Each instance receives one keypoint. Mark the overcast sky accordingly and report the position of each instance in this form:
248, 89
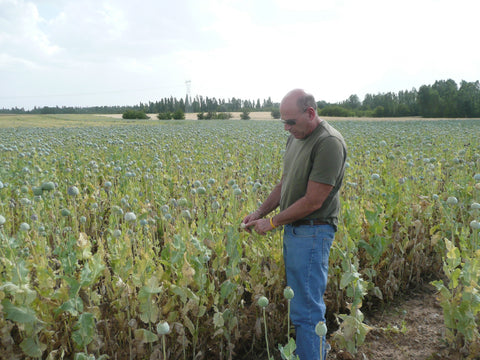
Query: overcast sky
123, 52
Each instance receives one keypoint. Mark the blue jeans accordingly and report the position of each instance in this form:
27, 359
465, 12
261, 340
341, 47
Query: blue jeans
306, 249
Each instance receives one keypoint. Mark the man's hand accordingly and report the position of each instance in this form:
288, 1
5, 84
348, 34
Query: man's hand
261, 226
249, 221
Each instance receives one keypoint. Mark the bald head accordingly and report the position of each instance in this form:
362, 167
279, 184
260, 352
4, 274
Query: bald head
300, 99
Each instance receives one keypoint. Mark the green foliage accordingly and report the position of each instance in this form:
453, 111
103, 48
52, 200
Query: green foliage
134, 114
224, 116
165, 116
459, 295
275, 113
379, 111
245, 115
96, 283
211, 115
287, 352
84, 330
335, 110
178, 115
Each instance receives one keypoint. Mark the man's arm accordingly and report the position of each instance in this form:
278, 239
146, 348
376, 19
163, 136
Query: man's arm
313, 200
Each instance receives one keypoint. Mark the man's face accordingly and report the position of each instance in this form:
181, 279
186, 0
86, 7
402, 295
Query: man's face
296, 121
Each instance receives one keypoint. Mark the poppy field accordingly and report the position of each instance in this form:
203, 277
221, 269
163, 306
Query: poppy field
123, 241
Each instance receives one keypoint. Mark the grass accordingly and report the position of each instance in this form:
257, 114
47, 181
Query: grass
65, 120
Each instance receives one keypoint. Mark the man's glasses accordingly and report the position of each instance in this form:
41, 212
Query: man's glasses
290, 122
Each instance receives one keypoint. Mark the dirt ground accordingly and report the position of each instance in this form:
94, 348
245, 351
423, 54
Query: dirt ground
410, 328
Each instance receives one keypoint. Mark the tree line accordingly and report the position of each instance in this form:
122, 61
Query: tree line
197, 104
442, 99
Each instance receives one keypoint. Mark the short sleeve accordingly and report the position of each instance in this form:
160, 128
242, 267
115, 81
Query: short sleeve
328, 161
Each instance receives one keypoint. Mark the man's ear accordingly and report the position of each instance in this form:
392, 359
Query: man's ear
311, 113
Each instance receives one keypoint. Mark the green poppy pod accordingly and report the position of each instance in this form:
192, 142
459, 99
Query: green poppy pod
288, 293
24, 227
48, 186
452, 200
215, 205
163, 328
182, 202
475, 225
130, 216
65, 212
73, 191
186, 214
262, 301
321, 328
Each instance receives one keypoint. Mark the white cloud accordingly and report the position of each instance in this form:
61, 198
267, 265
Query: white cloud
21, 31
93, 51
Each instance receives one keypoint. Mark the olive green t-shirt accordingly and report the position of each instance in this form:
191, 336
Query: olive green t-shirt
320, 157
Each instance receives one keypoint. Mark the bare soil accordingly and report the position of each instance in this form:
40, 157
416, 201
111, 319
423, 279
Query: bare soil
410, 328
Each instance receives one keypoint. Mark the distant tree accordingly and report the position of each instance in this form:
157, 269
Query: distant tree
321, 104
353, 102
275, 113
134, 114
379, 111
407, 100
224, 116
179, 115
335, 110
245, 115
164, 116
210, 115
469, 99
403, 110
447, 92
428, 101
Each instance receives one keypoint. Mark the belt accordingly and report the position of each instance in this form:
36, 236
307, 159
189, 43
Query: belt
309, 222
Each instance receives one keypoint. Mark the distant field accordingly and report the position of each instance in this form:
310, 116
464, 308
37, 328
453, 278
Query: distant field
74, 120
256, 115
60, 120
80, 120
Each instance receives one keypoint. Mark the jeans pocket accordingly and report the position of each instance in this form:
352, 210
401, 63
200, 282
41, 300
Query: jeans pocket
303, 231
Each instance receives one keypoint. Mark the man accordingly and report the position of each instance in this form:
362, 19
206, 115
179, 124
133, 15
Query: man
313, 168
